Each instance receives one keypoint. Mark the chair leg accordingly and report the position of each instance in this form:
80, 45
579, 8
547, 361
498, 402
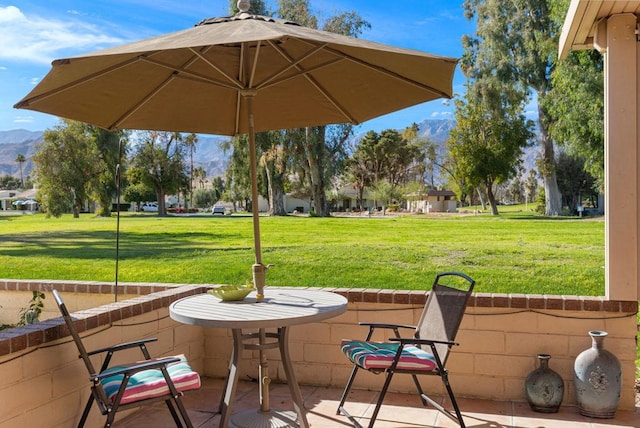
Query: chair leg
183, 412
454, 403
383, 392
85, 412
347, 389
458, 416
174, 415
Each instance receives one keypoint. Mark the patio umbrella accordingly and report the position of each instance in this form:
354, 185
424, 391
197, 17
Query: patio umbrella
240, 75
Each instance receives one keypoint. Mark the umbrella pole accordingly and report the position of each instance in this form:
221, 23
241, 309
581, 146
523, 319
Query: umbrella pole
258, 267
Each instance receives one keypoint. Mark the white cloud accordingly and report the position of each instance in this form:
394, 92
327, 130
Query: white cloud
3, 68
441, 114
40, 39
34, 81
23, 119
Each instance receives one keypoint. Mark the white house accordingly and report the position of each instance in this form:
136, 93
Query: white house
443, 201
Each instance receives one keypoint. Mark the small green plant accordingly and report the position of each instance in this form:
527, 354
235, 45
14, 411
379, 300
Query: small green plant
31, 314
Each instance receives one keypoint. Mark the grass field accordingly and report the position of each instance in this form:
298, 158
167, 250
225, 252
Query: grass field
516, 252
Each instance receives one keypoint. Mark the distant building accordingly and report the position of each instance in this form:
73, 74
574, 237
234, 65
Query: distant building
443, 201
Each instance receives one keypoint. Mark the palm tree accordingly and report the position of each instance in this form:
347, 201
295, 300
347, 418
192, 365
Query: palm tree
21, 159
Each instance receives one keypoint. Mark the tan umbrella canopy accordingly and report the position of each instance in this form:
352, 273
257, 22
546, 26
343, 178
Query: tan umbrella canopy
238, 75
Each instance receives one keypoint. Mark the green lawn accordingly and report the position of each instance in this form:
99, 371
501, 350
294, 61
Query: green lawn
515, 252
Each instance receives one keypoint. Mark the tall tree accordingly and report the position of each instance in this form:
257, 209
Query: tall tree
490, 134
160, 157
359, 174
518, 40
321, 150
237, 177
272, 155
190, 142
576, 104
575, 183
21, 159
200, 176
112, 149
275, 161
67, 168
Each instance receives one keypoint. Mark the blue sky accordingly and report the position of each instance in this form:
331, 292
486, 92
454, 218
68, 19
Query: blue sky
34, 32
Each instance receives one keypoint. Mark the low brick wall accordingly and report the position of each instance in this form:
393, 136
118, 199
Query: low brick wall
42, 382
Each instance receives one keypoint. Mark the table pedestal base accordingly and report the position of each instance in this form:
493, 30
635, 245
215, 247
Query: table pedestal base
262, 417
255, 418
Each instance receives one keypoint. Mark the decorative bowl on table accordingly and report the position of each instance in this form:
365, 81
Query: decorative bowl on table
231, 292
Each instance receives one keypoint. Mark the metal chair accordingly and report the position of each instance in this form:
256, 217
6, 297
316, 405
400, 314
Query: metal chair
424, 354
130, 385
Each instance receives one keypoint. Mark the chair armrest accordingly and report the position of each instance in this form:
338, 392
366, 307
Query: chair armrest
122, 346
384, 325
416, 341
134, 368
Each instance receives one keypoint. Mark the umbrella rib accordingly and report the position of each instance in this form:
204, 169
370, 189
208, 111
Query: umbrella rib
191, 75
292, 63
73, 84
390, 73
305, 73
237, 84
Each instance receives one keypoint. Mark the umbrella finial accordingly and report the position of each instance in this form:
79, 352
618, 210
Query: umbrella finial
244, 6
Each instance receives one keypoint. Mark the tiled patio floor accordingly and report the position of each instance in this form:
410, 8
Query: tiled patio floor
399, 411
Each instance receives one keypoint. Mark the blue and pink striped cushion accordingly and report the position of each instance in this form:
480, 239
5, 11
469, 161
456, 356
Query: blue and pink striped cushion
380, 355
151, 383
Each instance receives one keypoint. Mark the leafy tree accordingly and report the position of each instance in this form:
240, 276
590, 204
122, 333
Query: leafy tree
490, 134
136, 190
358, 173
200, 176
517, 41
112, 149
531, 186
575, 182
273, 156
237, 176
159, 158
321, 149
67, 169
21, 159
9, 182
190, 142
275, 162
314, 154
204, 198
576, 104
386, 193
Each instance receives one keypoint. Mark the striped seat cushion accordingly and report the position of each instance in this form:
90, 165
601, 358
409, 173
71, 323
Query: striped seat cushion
151, 383
380, 355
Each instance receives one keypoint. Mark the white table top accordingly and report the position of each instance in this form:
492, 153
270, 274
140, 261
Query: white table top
281, 307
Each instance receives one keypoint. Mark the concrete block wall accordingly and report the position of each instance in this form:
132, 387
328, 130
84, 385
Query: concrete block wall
43, 383
499, 338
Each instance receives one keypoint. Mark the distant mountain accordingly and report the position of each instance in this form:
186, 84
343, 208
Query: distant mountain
14, 142
436, 130
17, 136
210, 156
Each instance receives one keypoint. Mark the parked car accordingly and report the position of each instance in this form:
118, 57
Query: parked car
149, 207
217, 210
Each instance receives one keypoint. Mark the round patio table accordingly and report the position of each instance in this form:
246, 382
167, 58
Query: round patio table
280, 309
